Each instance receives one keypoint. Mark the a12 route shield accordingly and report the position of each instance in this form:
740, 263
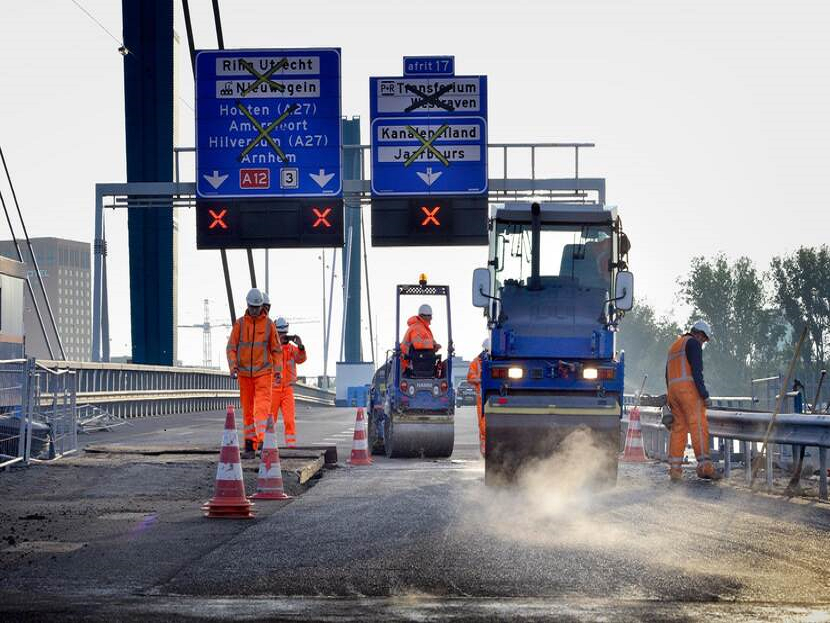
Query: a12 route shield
268, 123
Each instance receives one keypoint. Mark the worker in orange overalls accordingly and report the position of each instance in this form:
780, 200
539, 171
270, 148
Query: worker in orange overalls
285, 375
418, 335
252, 350
688, 399
474, 379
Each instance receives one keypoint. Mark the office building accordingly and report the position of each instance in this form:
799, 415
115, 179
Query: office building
65, 269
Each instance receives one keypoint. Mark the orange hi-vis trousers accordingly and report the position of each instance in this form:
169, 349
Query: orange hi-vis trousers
482, 423
689, 412
282, 399
255, 396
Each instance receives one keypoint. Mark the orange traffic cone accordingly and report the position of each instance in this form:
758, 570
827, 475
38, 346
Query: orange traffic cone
633, 452
229, 495
269, 484
360, 446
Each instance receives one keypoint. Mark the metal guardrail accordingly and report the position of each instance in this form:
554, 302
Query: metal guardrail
133, 390
748, 428
35, 425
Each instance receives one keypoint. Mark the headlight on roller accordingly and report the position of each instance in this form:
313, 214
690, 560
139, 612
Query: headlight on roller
590, 374
515, 373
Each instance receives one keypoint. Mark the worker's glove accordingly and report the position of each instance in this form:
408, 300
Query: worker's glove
298, 341
708, 402
234, 373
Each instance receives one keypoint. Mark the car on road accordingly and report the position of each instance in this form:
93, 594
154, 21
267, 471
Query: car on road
465, 394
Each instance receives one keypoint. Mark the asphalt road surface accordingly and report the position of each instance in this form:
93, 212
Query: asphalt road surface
425, 540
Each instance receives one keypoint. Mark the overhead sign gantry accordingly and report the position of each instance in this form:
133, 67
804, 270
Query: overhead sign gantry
429, 155
269, 148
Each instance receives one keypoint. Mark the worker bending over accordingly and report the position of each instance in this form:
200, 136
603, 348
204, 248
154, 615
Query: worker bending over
285, 375
418, 335
252, 350
688, 399
474, 379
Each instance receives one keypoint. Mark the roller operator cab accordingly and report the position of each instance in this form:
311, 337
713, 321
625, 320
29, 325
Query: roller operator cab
413, 399
554, 291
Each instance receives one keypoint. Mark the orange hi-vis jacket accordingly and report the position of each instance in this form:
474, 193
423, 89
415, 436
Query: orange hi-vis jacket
678, 369
253, 346
285, 365
418, 336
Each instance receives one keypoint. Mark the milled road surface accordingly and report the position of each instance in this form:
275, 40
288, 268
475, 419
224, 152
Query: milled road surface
425, 540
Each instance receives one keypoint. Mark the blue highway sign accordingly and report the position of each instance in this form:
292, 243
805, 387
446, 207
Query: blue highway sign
268, 123
429, 156
429, 135
429, 65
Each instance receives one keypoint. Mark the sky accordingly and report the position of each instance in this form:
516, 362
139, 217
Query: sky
710, 119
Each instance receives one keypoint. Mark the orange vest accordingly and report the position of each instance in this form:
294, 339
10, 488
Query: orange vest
474, 373
285, 366
678, 370
252, 346
418, 336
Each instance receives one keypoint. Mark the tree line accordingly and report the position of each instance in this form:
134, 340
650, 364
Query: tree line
756, 317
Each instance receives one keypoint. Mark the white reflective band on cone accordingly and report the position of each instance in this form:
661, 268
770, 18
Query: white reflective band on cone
270, 440
229, 471
360, 444
230, 439
273, 472
635, 442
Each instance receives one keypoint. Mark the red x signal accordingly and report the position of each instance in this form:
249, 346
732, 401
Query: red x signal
321, 217
431, 216
217, 219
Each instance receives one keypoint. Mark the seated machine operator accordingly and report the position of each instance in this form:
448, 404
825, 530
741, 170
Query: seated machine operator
418, 335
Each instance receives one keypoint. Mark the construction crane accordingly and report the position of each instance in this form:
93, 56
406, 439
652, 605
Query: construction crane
207, 327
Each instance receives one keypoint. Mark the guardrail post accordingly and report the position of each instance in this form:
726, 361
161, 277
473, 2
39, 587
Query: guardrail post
748, 461
770, 448
73, 406
727, 457
822, 476
27, 406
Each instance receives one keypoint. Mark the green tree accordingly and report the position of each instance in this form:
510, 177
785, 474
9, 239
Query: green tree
646, 338
802, 289
732, 299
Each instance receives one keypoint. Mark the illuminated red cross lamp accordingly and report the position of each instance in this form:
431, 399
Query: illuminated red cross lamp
218, 219
322, 217
431, 216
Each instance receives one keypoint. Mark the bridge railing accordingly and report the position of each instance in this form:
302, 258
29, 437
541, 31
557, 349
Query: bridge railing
132, 390
747, 429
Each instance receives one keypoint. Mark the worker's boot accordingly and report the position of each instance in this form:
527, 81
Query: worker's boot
249, 452
675, 475
708, 472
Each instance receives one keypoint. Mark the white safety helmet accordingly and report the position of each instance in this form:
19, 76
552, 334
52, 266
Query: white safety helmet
486, 344
425, 310
282, 325
703, 327
266, 299
254, 298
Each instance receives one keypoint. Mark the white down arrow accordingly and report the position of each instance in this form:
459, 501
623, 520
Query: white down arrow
322, 178
429, 177
215, 180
